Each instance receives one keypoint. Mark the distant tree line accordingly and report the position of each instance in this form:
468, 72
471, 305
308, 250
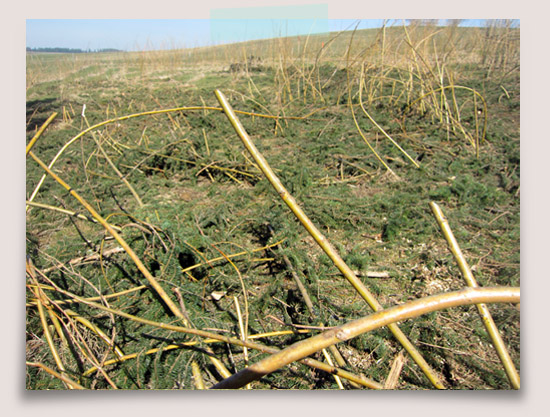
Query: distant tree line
71, 50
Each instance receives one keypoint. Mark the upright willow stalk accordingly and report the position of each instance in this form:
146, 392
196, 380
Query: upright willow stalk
482, 309
322, 240
350, 104
361, 85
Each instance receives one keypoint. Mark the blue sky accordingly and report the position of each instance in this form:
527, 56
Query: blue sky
144, 34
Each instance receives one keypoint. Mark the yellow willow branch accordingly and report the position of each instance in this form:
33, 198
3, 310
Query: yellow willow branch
350, 104
101, 334
119, 174
66, 380
322, 240
98, 298
197, 377
361, 85
457, 120
152, 281
482, 309
39, 302
186, 344
355, 328
232, 255
39, 133
68, 212
359, 379
146, 113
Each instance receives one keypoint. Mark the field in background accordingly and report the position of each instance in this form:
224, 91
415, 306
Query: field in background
363, 128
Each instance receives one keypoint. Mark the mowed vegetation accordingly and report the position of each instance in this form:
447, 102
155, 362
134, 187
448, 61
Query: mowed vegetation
363, 128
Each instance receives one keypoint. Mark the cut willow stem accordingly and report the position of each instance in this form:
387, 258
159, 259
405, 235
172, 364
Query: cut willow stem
147, 113
68, 212
307, 347
243, 333
184, 345
39, 133
336, 378
72, 384
152, 281
40, 304
98, 298
323, 242
359, 379
482, 309
232, 255
86, 259
350, 104
197, 376
456, 121
117, 171
100, 333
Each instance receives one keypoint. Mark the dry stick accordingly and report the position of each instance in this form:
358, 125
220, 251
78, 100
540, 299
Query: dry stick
412, 309
396, 367
323, 242
39, 133
360, 379
484, 313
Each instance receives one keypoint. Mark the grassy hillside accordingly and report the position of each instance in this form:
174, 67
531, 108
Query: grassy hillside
363, 128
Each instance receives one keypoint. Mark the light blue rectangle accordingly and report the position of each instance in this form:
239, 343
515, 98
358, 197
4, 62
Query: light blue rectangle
242, 24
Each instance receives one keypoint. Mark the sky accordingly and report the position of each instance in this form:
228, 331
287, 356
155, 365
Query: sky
221, 27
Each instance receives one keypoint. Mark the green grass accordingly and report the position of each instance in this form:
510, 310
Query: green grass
201, 193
